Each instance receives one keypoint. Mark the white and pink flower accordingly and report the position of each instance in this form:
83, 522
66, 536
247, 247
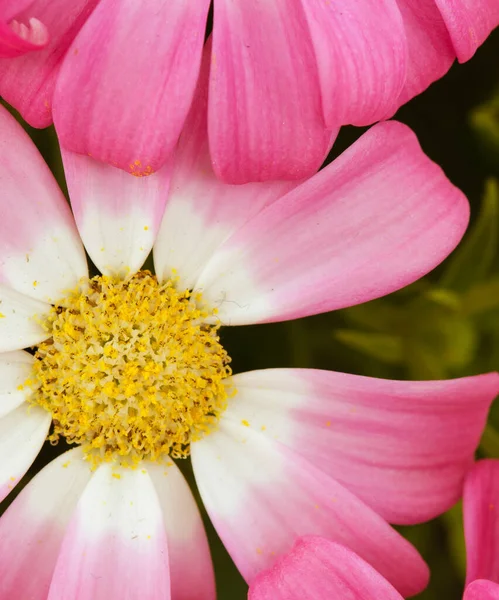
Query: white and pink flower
119, 76
295, 452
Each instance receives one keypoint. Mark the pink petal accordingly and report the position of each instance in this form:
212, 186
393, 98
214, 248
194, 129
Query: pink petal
202, 211
481, 521
27, 82
191, 570
127, 83
482, 590
115, 545
361, 53
41, 255
378, 218
265, 114
469, 23
22, 433
367, 433
316, 569
261, 495
429, 46
32, 528
118, 216
18, 38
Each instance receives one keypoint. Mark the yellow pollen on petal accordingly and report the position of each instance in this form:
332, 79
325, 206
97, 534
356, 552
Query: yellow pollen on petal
133, 370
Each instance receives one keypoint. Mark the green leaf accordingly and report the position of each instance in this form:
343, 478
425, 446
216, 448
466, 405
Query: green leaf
384, 347
476, 255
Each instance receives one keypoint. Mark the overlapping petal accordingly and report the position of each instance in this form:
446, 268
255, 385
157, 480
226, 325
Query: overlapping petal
18, 38
15, 368
191, 570
481, 521
361, 54
202, 211
261, 496
265, 113
378, 218
41, 254
128, 80
115, 544
118, 216
318, 568
482, 590
383, 440
32, 528
27, 82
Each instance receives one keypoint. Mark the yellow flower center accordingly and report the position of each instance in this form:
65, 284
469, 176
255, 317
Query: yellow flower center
133, 370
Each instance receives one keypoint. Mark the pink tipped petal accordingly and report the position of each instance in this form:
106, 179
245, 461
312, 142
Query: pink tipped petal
41, 254
430, 50
32, 529
265, 114
191, 570
18, 38
481, 521
482, 590
469, 23
260, 496
316, 569
22, 433
378, 218
15, 369
19, 320
127, 83
27, 82
361, 53
118, 216
115, 544
383, 440
202, 211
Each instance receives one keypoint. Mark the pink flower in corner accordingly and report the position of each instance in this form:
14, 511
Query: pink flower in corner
129, 367
284, 75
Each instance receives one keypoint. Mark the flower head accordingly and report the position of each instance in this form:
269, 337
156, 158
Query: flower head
129, 366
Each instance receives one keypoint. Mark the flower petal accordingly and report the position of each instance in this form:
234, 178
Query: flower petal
482, 590
32, 528
191, 570
261, 496
361, 51
22, 433
481, 521
430, 50
15, 368
115, 544
318, 568
367, 433
265, 115
27, 82
128, 80
118, 216
19, 325
40, 251
378, 218
202, 211
18, 38
469, 23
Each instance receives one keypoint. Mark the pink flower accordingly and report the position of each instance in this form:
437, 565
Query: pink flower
130, 367
284, 75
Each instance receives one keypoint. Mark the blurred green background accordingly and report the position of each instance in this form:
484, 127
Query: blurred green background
446, 325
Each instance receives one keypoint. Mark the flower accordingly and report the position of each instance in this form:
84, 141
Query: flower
317, 568
284, 75
130, 367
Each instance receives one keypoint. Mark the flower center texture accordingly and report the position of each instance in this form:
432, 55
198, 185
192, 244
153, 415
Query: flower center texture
133, 370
